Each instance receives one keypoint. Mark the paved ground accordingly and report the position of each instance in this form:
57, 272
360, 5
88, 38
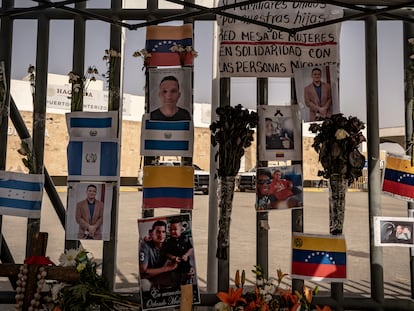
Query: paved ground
243, 231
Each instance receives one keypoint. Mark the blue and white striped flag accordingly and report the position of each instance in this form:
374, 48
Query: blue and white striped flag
166, 138
92, 160
21, 194
92, 124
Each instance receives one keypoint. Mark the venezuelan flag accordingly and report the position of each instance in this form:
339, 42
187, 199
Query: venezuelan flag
398, 178
168, 186
160, 39
319, 257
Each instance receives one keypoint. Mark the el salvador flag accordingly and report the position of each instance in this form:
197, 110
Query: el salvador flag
21, 194
92, 124
92, 160
166, 138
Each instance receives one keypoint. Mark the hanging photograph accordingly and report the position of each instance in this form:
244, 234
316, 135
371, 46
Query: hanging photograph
89, 211
393, 231
279, 187
170, 94
280, 133
166, 243
317, 90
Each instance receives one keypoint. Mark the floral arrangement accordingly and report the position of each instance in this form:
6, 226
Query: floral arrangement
266, 295
113, 62
337, 141
182, 51
233, 132
145, 56
91, 291
80, 86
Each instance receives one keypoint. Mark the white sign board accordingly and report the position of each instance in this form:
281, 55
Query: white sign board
249, 50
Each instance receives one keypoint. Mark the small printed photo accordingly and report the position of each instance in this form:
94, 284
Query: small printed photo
317, 91
394, 231
170, 94
89, 211
166, 261
279, 187
279, 134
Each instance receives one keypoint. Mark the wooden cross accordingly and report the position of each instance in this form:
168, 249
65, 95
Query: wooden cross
62, 274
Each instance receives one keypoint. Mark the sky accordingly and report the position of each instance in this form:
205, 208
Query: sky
243, 90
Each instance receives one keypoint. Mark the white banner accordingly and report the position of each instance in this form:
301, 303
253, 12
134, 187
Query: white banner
249, 50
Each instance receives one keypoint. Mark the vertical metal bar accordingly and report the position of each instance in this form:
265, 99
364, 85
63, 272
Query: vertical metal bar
296, 214
110, 247
39, 112
6, 37
409, 97
212, 199
373, 141
262, 233
224, 264
78, 66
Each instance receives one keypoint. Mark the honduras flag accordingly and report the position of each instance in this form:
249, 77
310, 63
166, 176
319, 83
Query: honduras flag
92, 124
166, 138
21, 194
92, 160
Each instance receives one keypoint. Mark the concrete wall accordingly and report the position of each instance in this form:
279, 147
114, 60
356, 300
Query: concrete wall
56, 141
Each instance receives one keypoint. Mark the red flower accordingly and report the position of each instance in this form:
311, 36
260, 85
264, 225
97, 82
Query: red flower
232, 297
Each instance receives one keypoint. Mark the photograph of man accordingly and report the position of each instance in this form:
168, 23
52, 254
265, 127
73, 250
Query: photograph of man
265, 198
395, 232
153, 267
90, 215
166, 260
318, 97
286, 193
170, 94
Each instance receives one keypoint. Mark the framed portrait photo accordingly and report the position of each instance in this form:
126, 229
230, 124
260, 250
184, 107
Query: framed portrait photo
393, 231
88, 216
280, 133
170, 94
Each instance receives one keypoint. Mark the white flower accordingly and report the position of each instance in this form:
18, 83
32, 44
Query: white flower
68, 259
221, 306
56, 289
411, 41
341, 134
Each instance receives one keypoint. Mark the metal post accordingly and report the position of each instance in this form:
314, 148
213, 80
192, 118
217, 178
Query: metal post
262, 233
373, 141
212, 199
409, 96
224, 264
39, 112
110, 247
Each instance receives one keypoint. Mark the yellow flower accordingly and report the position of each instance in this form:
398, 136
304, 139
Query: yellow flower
341, 134
80, 267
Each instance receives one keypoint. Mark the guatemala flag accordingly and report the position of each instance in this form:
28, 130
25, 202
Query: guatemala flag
318, 257
398, 178
160, 39
166, 138
92, 124
21, 194
168, 186
92, 160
